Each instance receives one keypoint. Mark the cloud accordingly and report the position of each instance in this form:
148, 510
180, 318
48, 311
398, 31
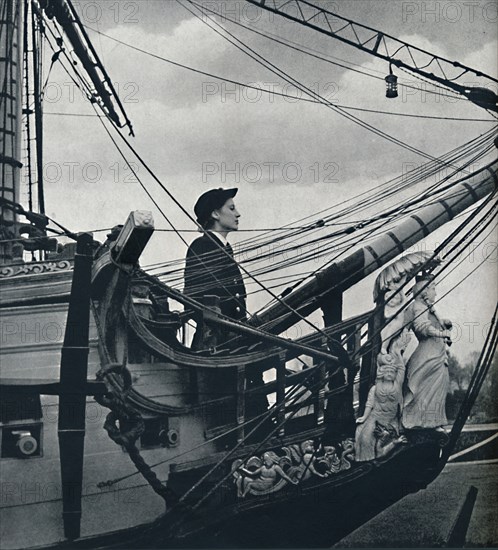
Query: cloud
289, 159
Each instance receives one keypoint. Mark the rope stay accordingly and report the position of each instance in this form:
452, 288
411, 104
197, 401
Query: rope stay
297, 98
125, 425
250, 52
394, 51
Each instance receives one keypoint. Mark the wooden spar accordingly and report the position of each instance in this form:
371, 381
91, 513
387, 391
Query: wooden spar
38, 108
281, 342
73, 385
345, 273
60, 10
414, 59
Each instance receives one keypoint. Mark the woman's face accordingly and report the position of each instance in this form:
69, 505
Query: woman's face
387, 372
227, 217
430, 293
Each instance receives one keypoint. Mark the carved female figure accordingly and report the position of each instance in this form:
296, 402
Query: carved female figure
382, 410
427, 378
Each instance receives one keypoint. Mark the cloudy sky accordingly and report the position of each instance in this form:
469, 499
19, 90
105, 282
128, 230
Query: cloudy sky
288, 158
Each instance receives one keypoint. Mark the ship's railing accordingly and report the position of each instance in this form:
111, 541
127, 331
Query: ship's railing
234, 397
318, 394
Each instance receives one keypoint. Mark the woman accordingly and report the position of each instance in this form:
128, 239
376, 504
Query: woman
427, 378
210, 268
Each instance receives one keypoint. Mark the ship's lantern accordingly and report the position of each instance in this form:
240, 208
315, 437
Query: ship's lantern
391, 84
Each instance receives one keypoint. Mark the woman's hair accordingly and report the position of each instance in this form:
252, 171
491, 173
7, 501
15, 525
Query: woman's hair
208, 224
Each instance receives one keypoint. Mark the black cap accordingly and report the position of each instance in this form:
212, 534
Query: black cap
212, 200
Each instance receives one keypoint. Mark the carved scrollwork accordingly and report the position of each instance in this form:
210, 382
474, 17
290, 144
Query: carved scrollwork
34, 268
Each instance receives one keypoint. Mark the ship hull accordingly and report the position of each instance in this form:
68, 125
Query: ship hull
312, 515
319, 514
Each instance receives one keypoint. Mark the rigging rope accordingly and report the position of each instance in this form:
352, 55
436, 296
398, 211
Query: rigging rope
250, 52
221, 248
476, 382
258, 244
290, 96
349, 278
301, 49
443, 268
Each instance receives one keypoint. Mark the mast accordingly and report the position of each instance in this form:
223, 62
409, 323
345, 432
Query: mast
104, 91
11, 62
343, 274
12, 43
36, 22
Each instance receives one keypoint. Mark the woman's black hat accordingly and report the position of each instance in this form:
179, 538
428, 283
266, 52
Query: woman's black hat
212, 200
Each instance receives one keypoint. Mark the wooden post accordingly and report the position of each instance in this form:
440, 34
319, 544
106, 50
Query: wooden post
281, 394
241, 402
339, 414
368, 363
320, 401
332, 308
320, 394
353, 346
73, 384
11, 63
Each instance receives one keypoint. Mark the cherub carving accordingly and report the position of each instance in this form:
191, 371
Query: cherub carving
330, 462
309, 459
267, 476
261, 476
322, 462
304, 457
